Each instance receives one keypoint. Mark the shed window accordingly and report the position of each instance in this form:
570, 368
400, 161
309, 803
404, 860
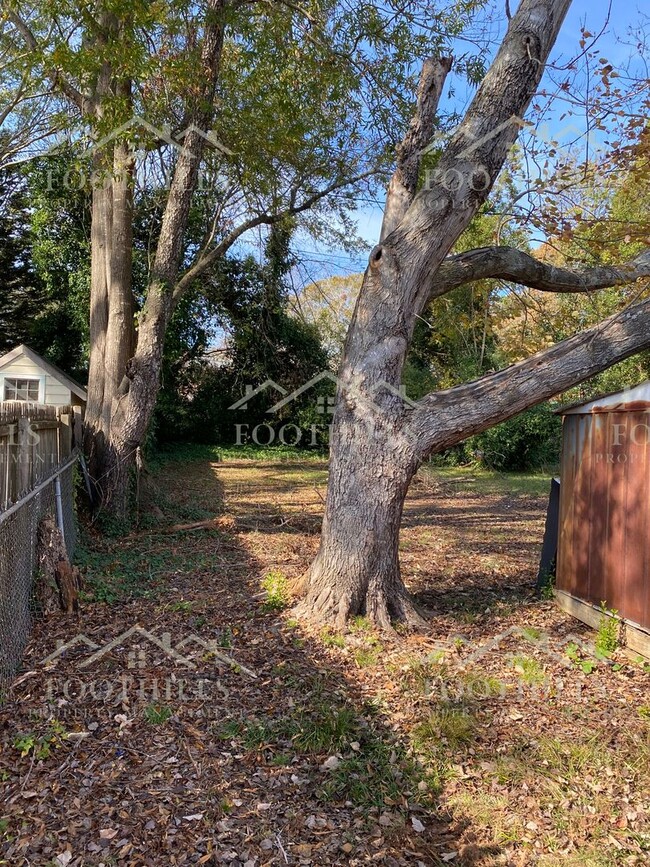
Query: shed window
22, 389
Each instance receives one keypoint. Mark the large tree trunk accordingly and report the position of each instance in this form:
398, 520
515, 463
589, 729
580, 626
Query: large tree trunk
112, 307
100, 248
357, 568
131, 387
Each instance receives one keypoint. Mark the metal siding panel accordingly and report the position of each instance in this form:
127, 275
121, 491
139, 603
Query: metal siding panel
598, 513
604, 550
645, 620
635, 556
564, 578
614, 590
590, 494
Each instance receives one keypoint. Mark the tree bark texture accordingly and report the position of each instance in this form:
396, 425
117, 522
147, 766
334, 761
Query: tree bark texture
112, 306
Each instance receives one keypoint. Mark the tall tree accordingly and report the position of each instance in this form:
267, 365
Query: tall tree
304, 93
378, 442
21, 293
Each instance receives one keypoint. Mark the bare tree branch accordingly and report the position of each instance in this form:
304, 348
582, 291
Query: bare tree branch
207, 258
508, 263
403, 184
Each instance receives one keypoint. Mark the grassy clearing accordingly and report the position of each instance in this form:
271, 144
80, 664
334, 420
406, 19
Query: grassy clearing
361, 763
140, 568
186, 452
482, 481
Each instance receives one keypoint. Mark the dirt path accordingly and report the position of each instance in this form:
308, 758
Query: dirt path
220, 731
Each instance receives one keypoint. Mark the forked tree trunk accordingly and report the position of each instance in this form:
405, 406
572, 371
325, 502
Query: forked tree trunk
130, 394
356, 570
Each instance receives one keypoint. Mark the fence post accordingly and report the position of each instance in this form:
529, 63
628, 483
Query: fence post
8, 456
24, 462
77, 427
59, 507
58, 435
64, 435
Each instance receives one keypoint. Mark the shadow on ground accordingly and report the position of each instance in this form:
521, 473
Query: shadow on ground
228, 733
213, 730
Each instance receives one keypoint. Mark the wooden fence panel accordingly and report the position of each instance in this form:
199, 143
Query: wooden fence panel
34, 440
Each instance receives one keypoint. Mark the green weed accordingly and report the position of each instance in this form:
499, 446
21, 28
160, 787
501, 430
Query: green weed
225, 638
361, 624
586, 664
157, 714
366, 657
41, 745
276, 587
607, 638
325, 729
332, 639
476, 685
528, 669
452, 724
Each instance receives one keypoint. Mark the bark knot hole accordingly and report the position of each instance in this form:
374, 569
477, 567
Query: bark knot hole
532, 46
376, 255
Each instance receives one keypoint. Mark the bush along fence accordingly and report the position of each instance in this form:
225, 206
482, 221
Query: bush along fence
37, 464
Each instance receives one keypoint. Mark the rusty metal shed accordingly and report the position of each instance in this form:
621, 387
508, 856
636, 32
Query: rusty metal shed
604, 538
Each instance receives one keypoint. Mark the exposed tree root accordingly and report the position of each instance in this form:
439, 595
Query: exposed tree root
327, 607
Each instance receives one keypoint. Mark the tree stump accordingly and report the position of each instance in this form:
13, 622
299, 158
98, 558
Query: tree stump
58, 583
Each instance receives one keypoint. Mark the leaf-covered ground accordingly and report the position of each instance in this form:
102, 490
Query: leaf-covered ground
228, 733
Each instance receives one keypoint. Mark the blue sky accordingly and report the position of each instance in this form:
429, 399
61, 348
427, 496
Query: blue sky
591, 15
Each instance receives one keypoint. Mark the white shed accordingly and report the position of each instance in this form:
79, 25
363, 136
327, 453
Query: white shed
24, 375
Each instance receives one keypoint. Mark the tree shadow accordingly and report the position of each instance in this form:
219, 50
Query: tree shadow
270, 746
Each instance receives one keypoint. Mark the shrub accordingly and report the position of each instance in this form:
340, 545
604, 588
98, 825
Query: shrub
528, 441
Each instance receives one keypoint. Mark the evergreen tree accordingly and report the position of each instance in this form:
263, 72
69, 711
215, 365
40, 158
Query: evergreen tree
21, 293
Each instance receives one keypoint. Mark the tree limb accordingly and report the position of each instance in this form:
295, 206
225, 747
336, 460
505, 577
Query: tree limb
403, 184
56, 76
508, 263
476, 152
200, 113
208, 258
397, 283
446, 417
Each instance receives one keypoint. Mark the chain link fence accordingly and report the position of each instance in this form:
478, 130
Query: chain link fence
18, 559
